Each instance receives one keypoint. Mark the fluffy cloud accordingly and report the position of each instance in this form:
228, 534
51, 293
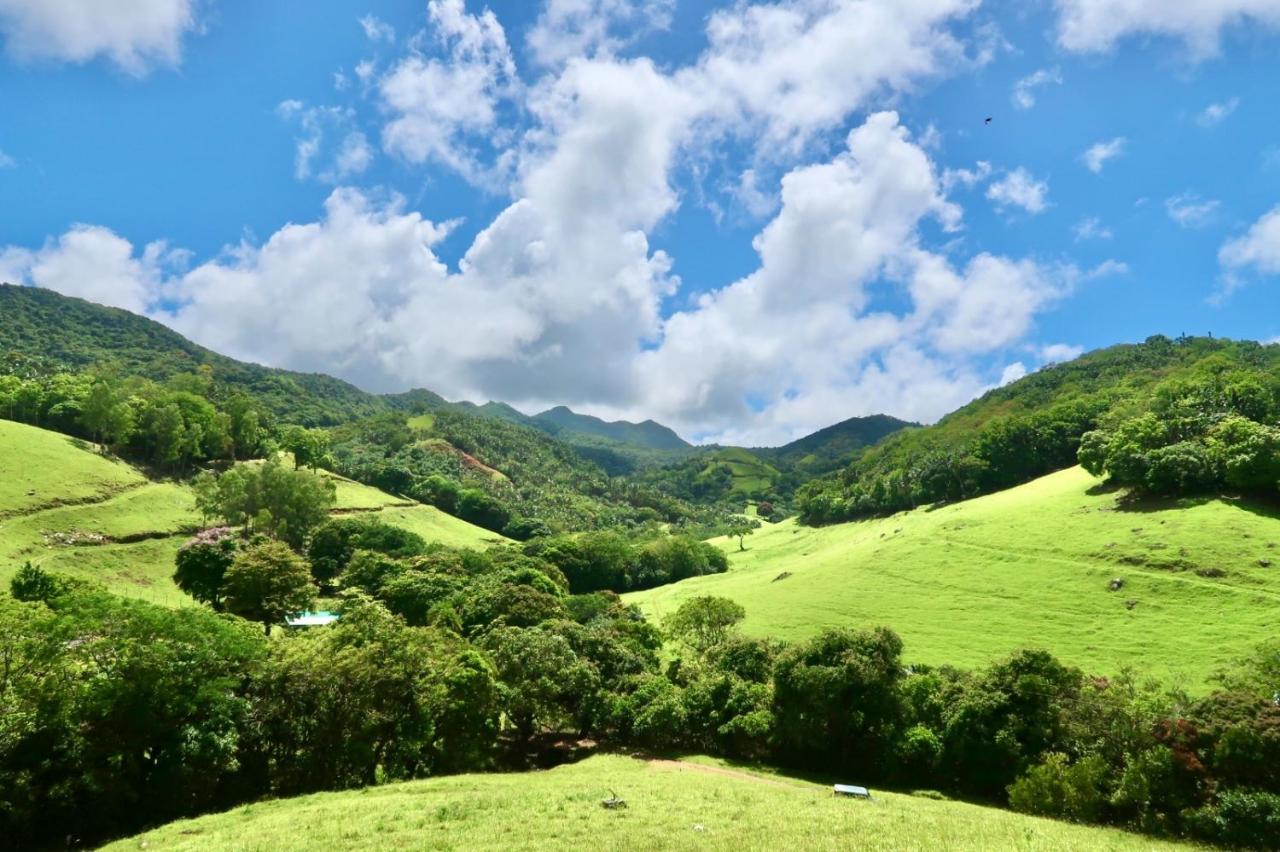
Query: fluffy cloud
1094, 25
1258, 250
6, 161
1019, 189
794, 69
1096, 156
582, 28
135, 35
803, 332
93, 263
1024, 91
1189, 210
440, 106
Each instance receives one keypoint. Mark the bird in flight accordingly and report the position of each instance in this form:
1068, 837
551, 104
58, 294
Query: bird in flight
988, 121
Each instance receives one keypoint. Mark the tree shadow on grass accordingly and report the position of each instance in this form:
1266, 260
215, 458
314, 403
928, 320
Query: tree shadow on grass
1131, 501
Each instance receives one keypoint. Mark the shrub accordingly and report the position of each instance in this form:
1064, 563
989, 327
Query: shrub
202, 565
1239, 818
33, 583
1061, 789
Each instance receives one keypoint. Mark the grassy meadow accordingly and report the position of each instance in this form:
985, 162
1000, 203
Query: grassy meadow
1030, 566
749, 473
71, 510
700, 804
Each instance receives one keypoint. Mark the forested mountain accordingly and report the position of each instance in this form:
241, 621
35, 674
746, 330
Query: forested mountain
834, 446
568, 424
41, 324
1187, 388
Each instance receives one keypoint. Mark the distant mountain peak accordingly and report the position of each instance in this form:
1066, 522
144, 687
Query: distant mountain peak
648, 434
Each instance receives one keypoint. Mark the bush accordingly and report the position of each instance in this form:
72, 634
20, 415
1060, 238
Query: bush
336, 541
1239, 818
267, 582
32, 583
202, 565
1061, 789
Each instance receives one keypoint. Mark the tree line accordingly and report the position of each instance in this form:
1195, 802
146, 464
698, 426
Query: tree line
118, 714
1185, 416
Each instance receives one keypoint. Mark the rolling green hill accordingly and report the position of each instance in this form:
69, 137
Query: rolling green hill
696, 804
833, 447
1033, 426
45, 325
1028, 567
70, 510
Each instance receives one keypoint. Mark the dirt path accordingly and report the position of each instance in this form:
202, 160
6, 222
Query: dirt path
682, 766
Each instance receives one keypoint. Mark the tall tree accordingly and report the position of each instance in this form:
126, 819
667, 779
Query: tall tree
267, 582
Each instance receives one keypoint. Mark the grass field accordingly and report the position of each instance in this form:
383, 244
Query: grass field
70, 510
1030, 566
353, 495
422, 422
686, 805
41, 469
435, 525
748, 472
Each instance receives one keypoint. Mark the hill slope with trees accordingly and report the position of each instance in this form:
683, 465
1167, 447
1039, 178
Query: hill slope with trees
1035, 425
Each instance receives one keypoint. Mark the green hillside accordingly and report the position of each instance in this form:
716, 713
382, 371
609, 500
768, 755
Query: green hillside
697, 804
833, 447
42, 324
747, 472
1030, 566
1034, 426
649, 435
69, 509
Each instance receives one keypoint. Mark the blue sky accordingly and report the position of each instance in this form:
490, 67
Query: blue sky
745, 219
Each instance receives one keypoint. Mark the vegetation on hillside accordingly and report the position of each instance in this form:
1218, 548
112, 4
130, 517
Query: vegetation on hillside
1033, 426
973, 581
119, 714
505, 477
76, 334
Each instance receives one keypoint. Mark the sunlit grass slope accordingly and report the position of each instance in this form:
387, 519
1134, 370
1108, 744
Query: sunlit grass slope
669, 806
435, 525
71, 510
39, 468
1030, 566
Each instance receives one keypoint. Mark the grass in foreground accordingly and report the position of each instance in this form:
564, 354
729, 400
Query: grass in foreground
1027, 567
671, 805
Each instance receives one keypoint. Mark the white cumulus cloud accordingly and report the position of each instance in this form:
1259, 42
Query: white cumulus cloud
1096, 25
1256, 251
136, 35
440, 107
1019, 189
93, 263
566, 29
